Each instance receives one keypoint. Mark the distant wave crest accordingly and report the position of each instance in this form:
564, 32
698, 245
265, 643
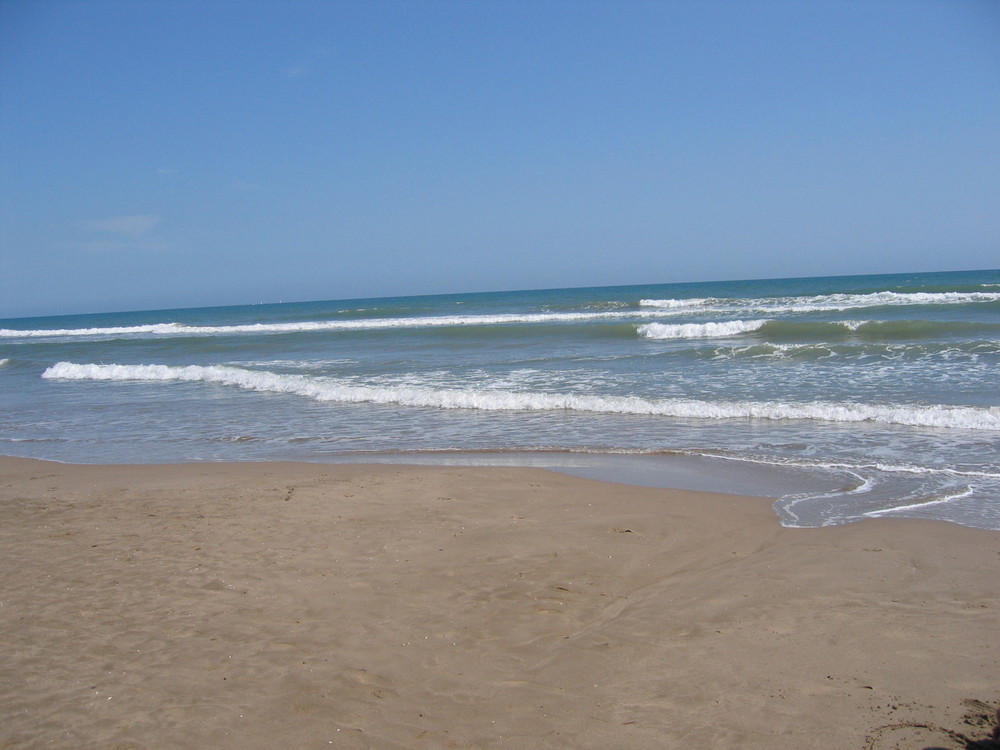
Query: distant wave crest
823, 302
699, 330
819, 330
155, 328
648, 308
180, 329
329, 389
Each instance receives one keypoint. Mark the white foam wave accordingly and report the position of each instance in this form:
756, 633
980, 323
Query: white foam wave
675, 304
180, 329
157, 328
967, 492
660, 308
331, 389
699, 330
4, 362
907, 469
824, 302
878, 299
856, 469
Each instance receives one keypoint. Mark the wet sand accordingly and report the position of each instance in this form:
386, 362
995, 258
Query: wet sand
373, 606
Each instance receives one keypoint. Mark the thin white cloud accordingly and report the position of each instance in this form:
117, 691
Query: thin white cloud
305, 65
136, 245
130, 226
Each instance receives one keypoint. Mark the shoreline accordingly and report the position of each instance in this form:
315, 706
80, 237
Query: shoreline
665, 469
830, 491
391, 606
662, 470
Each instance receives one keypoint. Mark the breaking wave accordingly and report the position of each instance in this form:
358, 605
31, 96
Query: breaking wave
750, 308
180, 329
699, 330
822, 302
334, 390
820, 330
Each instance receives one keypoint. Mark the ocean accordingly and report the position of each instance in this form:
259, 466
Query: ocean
844, 397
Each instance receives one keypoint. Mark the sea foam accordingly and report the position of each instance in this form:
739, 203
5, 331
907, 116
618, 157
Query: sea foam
650, 308
961, 495
822, 302
180, 329
699, 330
335, 390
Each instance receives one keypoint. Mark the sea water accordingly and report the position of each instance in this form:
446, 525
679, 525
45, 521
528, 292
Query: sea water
846, 397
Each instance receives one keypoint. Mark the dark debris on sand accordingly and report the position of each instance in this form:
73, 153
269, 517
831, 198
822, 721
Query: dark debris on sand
980, 731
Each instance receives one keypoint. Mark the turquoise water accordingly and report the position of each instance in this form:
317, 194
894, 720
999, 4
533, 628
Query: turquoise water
866, 396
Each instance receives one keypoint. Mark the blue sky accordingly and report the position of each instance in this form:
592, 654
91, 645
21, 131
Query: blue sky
171, 154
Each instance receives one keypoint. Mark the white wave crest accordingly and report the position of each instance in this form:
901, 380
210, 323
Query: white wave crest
674, 304
966, 492
179, 329
661, 308
699, 330
156, 328
823, 302
330, 389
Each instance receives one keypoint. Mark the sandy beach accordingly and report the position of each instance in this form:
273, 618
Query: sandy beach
306, 606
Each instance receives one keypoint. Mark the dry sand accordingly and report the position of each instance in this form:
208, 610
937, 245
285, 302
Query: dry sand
306, 606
